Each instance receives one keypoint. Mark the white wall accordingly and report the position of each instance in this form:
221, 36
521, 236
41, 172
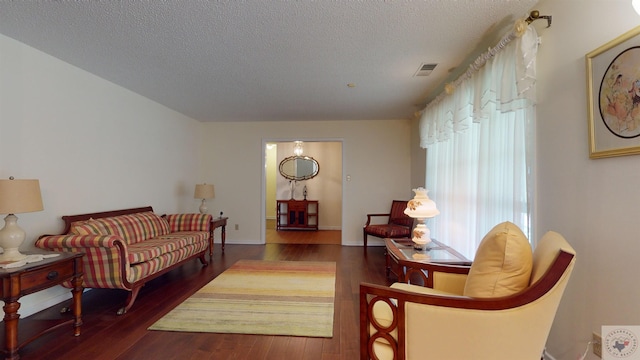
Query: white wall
593, 203
271, 176
376, 157
94, 146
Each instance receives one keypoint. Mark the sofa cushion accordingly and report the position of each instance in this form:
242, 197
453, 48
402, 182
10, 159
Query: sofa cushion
144, 269
137, 227
87, 227
189, 222
152, 248
502, 265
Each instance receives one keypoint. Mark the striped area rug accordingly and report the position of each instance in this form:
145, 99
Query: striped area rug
294, 298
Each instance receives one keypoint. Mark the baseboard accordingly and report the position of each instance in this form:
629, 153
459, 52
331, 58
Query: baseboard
45, 299
329, 227
239, 242
373, 241
547, 356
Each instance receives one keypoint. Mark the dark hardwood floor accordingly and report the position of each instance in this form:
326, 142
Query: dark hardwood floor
330, 237
273, 236
108, 336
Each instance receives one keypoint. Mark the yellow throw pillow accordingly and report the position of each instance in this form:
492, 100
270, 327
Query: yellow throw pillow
502, 265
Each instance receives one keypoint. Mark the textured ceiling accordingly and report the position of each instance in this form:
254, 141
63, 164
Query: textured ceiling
266, 60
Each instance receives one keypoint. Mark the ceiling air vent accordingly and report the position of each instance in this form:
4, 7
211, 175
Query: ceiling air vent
425, 69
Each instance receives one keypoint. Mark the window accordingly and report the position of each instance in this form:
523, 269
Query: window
479, 143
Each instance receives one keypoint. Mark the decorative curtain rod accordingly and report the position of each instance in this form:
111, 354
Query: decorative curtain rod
535, 15
518, 30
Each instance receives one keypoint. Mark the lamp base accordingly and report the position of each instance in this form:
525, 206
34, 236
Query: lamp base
421, 236
420, 244
11, 255
203, 207
11, 237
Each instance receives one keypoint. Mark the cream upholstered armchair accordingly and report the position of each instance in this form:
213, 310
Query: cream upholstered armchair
502, 307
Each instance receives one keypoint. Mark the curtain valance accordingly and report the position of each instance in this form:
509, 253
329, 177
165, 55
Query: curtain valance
501, 80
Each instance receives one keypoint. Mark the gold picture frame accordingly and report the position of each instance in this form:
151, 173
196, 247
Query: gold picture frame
613, 97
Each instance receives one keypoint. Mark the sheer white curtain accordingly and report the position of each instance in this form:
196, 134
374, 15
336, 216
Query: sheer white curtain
479, 142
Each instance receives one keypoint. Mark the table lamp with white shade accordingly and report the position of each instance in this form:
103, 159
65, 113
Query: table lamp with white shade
204, 191
16, 196
421, 208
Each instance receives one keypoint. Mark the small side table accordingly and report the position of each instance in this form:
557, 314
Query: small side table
216, 223
402, 249
31, 278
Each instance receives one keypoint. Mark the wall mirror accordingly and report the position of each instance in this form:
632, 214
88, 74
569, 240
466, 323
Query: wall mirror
299, 167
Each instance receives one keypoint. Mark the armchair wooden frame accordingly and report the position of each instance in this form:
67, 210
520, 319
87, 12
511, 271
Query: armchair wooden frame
371, 330
398, 226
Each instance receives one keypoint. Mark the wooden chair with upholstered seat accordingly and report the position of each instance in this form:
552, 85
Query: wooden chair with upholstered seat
398, 225
502, 307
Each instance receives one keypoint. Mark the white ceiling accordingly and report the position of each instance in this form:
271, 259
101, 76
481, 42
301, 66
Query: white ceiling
258, 60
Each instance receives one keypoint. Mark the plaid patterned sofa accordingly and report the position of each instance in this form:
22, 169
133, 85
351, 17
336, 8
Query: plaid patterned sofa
126, 248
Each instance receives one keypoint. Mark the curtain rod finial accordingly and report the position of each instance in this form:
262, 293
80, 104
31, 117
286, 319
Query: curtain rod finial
535, 15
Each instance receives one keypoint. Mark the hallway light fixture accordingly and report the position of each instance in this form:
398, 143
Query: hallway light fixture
297, 148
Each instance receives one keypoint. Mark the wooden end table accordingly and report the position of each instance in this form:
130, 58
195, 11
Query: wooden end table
31, 278
220, 222
402, 249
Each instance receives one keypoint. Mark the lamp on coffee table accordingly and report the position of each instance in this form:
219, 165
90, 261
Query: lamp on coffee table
421, 208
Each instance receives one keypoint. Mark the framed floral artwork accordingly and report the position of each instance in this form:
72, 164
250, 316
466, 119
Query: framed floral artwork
613, 97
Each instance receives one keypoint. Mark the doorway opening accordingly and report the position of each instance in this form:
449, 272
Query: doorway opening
325, 188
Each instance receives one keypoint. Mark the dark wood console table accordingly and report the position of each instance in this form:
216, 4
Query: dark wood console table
34, 277
220, 222
297, 215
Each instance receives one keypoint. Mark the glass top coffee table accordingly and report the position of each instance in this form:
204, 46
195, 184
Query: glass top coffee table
435, 252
